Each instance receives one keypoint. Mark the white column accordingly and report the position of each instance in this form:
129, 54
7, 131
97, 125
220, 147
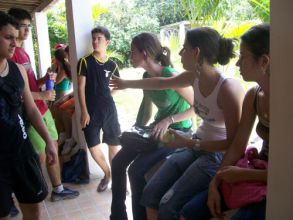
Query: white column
43, 42
162, 35
280, 185
181, 33
28, 46
80, 24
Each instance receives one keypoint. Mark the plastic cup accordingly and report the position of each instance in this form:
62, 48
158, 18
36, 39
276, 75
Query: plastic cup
49, 84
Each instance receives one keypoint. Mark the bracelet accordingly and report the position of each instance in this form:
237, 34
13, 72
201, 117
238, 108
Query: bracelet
196, 145
172, 119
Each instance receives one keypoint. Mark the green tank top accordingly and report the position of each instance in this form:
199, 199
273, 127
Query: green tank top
63, 85
169, 102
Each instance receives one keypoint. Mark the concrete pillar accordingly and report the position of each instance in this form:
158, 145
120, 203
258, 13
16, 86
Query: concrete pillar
80, 23
43, 42
181, 33
162, 35
28, 46
280, 179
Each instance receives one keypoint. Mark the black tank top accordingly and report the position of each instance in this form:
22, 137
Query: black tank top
262, 128
13, 138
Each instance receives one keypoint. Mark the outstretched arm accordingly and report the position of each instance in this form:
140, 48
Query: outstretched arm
155, 83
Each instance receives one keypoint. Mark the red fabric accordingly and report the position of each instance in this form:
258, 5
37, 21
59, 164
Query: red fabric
240, 194
21, 57
68, 106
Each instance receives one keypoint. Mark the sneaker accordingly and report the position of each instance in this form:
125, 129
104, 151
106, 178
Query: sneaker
103, 185
13, 211
65, 194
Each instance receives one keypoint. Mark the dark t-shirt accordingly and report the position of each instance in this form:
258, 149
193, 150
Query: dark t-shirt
97, 92
14, 141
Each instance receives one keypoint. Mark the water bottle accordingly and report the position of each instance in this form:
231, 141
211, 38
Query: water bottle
49, 84
168, 137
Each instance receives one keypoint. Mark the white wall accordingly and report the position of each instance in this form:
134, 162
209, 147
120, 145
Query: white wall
80, 24
280, 185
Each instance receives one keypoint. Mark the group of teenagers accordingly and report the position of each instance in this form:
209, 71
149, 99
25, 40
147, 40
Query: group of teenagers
28, 132
186, 185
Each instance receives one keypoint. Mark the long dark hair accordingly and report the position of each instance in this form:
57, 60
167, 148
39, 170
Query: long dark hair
61, 57
150, 44
257, 39
213, 47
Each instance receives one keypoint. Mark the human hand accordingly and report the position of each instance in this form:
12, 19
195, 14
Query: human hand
84, 119
177, 141
214, 199
51, 154
50, 75
49, 95
161, 128
117, 83
230, 174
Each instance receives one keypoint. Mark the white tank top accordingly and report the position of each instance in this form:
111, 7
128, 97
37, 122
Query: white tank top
213, 125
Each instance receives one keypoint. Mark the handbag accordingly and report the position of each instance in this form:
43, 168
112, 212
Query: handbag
139, 139
240, 194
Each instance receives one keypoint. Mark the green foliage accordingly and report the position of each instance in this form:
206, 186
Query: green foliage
57, 25
124, 22
167, 11
98, 10
205, 12
261, 9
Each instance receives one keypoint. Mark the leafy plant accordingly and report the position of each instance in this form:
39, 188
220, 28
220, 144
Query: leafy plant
124, 22
261, 9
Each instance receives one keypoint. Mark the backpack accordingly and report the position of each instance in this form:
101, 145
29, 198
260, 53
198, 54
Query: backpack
76, 169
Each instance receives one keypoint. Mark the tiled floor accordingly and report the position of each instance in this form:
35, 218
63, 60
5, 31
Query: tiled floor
90, 205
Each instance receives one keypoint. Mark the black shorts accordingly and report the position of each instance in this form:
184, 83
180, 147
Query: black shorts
24, 178
108, 122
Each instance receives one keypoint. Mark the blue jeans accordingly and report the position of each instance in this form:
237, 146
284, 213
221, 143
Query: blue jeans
197, 209
184, 174
253, 211
139, 167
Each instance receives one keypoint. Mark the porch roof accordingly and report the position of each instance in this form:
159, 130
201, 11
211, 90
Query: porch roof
29, 5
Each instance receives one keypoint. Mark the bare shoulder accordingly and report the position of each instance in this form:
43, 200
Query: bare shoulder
250, 95
231, 88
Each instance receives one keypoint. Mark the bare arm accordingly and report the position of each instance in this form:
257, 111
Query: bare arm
145, 111
155, 83
161, 127
85, 117
36, 120
230, 101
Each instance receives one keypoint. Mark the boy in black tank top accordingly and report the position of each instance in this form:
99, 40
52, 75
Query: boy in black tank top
20, 171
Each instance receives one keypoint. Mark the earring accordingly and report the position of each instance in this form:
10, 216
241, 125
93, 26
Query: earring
197, 67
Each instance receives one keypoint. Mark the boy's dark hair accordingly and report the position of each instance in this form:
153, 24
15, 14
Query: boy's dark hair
19, 14
6, 19
102, 30
213, 47
257, 39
